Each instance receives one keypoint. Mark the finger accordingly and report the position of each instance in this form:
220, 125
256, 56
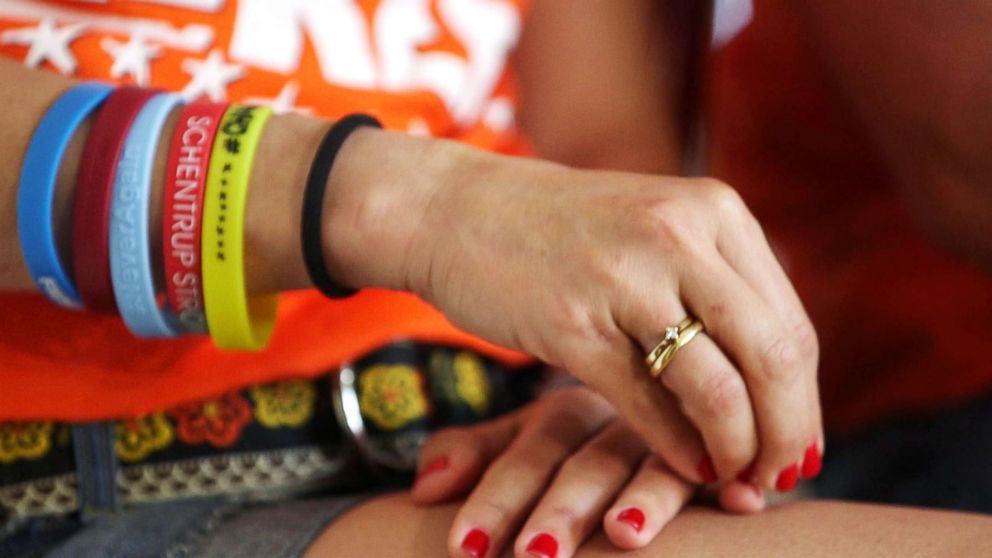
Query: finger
650, 500
584, 487
745, 247
516, 479
812, 460
743, 244
741, 497
711, 393
453, 459
772, 362
715, 398
813, 457
621, 376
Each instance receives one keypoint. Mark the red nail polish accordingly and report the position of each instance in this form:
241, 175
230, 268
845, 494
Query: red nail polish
788, 478
747, 475
706, 470
543, 546
439, 464
633, 517
812, 462
476, 543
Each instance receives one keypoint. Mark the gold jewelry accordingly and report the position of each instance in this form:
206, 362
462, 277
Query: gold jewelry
675, 338
671, 335
689, 333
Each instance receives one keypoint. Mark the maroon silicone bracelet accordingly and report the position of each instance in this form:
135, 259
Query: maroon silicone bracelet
185, 181
94, 189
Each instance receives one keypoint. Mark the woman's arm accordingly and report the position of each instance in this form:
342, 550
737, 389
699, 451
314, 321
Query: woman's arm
583, 269
604, 85
920, 75
801, 530
274, 255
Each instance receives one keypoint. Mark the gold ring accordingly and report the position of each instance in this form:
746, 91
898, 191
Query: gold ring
675, 338
689, 333
671, 336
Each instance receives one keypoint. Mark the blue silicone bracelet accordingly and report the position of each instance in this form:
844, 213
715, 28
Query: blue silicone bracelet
130, 257
36, 193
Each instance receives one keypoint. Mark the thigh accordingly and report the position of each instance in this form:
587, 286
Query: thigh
393, 526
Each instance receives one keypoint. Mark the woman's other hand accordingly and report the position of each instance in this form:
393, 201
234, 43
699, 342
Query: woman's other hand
550, 475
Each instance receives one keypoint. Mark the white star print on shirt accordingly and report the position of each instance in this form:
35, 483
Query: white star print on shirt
284, 102
47, 42
131, 58
210, 76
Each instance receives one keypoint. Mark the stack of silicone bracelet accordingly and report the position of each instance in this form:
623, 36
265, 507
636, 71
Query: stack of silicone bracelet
200, 286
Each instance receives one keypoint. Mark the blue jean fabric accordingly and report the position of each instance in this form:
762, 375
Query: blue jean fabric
201, 528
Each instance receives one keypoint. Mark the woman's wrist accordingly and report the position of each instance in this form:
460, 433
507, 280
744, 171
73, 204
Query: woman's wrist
273, 252
377, 232
374, 229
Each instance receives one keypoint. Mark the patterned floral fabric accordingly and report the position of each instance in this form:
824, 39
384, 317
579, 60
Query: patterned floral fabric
284, 403
268, 439
25, 440
392, 396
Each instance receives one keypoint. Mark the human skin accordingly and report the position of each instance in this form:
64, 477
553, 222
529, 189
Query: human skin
631, 115
811, 529
558, 470
612, 258
878, 53
919, 76
915, 72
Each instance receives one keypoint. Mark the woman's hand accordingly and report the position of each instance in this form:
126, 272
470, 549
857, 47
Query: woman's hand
586, 270
553, 473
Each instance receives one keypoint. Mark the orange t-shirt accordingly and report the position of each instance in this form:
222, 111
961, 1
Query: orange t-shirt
435, 67
904, 325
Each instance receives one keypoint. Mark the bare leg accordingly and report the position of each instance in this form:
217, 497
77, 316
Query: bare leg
392, 526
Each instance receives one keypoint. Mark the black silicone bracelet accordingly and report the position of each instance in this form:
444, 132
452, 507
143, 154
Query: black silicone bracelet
313, 203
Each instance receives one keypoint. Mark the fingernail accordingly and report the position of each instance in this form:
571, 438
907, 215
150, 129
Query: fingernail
543, 546
633, 517
747, 475
706, 470
788, 478
439, 464
476, 543
812, 462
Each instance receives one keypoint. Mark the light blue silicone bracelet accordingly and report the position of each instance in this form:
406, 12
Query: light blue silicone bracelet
130, 257
36, 193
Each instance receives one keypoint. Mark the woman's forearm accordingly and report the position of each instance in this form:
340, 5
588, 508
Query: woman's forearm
582, 269
24, 96
377, 191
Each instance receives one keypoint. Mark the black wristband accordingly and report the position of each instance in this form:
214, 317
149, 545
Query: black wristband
313, 203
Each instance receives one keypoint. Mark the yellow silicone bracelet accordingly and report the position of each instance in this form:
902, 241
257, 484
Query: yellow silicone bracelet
235, 321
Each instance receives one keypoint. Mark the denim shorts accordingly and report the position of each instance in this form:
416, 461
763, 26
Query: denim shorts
195, 528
